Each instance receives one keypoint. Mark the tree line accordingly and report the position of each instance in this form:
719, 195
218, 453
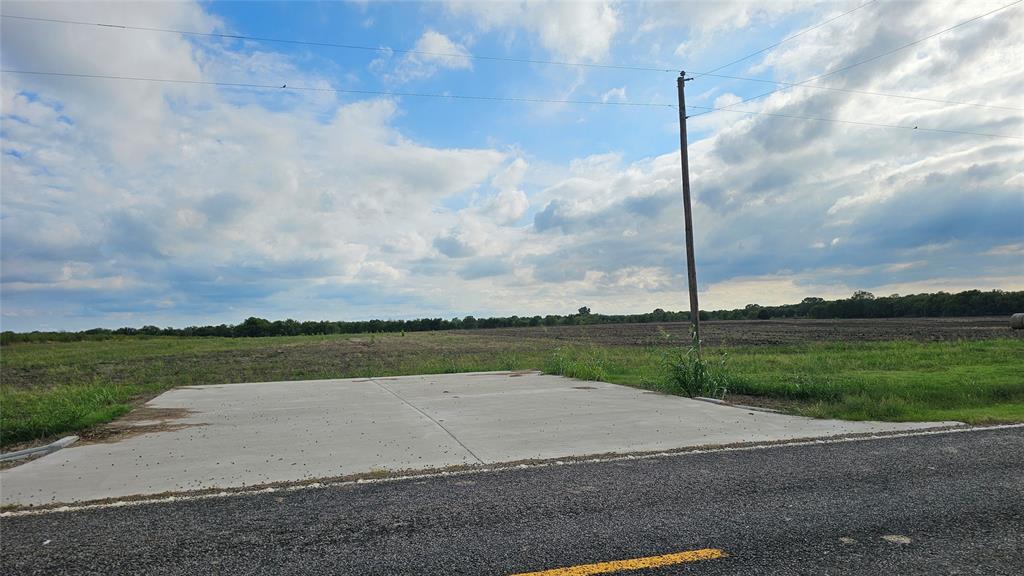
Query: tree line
861, 304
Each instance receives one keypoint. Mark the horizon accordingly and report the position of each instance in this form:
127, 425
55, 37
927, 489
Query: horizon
134, 203
590, 312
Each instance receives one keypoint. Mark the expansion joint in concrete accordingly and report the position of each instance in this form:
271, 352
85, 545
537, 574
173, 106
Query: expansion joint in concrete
429, 417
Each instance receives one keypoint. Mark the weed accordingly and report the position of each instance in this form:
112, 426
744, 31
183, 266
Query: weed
690, 373
580, 363
448, 364
510, 360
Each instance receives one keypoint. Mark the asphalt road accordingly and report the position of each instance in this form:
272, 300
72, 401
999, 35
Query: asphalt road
949, 504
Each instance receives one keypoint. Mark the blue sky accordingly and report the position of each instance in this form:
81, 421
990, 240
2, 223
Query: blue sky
130, 203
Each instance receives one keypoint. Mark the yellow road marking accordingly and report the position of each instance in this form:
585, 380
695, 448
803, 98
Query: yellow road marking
631, 564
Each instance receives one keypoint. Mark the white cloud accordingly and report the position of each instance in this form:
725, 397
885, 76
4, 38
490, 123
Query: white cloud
573, 31
1007, 250
431, 53
727, 99
202, 196
148, 203
508, 206
705, 22
615, 95
510, 203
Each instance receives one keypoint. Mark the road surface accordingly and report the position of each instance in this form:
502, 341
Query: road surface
950, 503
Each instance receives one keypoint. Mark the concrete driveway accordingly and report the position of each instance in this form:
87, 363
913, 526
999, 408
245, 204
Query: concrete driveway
237, 435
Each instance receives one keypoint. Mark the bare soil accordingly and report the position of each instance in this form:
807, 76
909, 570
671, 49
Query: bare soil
769, 332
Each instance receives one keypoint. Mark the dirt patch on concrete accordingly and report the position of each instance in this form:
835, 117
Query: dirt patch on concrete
142, 420
779, 404
517, 373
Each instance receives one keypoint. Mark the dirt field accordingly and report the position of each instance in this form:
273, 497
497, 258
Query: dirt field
909, 369
260, 359
762, 332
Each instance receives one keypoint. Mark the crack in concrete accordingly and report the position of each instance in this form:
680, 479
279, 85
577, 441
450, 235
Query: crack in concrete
429, 417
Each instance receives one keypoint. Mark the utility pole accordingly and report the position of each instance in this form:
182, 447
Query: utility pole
691, 265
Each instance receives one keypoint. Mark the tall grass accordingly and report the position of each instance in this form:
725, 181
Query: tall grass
583, 363
689, 373
29, 414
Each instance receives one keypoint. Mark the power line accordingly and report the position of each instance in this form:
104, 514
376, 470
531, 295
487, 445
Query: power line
787, 39
875, 57
406, 51
868, 92
710, 73
339, 90
343, 46
410, 51
853, 122
494, 99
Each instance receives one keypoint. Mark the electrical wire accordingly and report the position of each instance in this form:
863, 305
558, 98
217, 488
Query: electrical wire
853, 122
710, 73
787, 39
867, 92
496, 99
381, 49
875, 57
340, 90
410, 51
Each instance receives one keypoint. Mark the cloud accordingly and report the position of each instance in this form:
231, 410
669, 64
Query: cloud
704, 22
484, 268
574, 31
204, 197
615, 95
1006, 250
510, 203
433, 52
452, 246
725, 100
508, 206
554, 215
146, 203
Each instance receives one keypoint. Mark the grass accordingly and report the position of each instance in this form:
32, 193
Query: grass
47, 389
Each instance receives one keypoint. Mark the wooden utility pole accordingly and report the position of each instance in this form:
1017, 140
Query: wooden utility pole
691, 265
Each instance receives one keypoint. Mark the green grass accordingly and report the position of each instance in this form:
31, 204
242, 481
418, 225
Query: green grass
48, 389
977, 382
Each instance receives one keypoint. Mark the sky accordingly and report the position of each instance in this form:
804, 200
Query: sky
125, 203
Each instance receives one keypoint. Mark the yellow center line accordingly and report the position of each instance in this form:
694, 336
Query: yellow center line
631, 564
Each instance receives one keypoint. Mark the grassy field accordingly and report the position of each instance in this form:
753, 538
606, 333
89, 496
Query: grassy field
48, 389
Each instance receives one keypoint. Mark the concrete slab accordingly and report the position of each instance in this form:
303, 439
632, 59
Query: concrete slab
238, 435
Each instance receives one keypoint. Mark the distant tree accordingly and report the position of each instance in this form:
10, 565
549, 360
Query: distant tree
253, 327
861, 304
